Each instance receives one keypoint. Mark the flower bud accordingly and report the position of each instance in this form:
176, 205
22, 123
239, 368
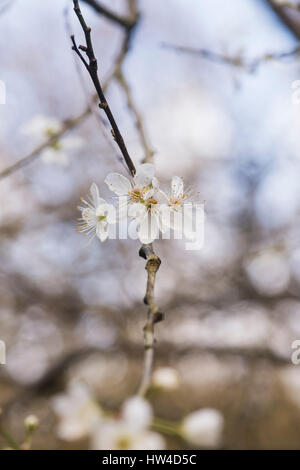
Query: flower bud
203, 427
31, 423
166, 378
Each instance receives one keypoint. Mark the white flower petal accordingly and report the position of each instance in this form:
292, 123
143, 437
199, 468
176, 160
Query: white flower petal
137, 210
144, 174
166, 378
118, 184
137, 412
155, 183
177, 187
203, 427
95, 194
161, 197
148, 229
102, 230
165, 213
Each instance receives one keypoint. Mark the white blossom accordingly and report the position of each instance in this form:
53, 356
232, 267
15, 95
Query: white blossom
138, 412
77, 411
203, 427
130, 431
96, 215
41, 128
143, 200
118, 435
31, 422
174, 214
166, 378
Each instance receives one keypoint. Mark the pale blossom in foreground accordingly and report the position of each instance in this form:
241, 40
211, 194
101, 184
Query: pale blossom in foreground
130, 431
203, 427
165, 378
78, 413
41, 128
96, 215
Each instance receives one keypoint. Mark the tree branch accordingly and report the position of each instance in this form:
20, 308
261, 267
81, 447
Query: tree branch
153, 315
126, 23
92, 68
153, 262
71, 124
67, 126
236, 61
138, 118
284, 16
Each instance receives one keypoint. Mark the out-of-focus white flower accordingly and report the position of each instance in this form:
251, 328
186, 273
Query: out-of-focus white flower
78, 412
166, 378
41, 128
118, 435
130, 431
96, 215
31, 422
203, 427
143, 199
269, 271
138, 412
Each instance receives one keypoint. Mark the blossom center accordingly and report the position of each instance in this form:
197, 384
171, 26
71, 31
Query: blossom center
175, 201
136, 195
151, 202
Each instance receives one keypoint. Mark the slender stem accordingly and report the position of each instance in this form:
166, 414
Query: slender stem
110, 15
153, 316
167, 427
9, 439
92, 68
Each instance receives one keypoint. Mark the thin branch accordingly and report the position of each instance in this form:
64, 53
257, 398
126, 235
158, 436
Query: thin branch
92, 68
146, 251
138, 118
285, 4
285, 17
67, 126
71, 124
153, 315
90, 102
236, 61
120, 20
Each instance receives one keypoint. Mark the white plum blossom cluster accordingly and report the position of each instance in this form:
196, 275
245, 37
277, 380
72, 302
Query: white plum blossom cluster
140, 199
134, 428
41, 129
81, 417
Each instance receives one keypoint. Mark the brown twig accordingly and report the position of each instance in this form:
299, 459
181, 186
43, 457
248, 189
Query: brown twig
153, 262
110, 15
67, 126
236, 61
153, 315
71, 124
92, 67
284, 16
138, 118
